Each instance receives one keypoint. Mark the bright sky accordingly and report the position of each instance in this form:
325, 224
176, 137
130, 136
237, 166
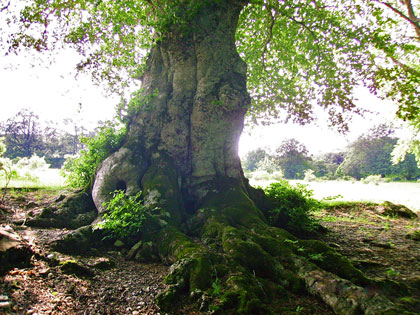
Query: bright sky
54, 94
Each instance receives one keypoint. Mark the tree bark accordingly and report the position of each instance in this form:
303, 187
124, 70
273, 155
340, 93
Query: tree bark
181, 151
198, 115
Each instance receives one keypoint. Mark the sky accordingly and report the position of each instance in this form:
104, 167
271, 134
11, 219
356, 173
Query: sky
54, 93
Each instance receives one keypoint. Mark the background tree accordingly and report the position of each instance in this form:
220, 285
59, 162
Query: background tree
370, 154
327, 164
185, 122
404, 71
22, 134
26, 134
293, 158
72, 139
251, 159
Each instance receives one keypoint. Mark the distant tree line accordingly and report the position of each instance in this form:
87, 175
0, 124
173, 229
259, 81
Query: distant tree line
370, 154
25, 135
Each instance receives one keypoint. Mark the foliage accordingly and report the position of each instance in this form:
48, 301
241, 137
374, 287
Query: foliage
298, 53
269, 165
292, 157
372, 179
325, 165
266, 176
29, 172
22, 134
5, 168
26, 134
252, 158
81, 171
125, 215
410, 144
32, 163
291, 206
309, 176
370, 154
2, 147
139, 100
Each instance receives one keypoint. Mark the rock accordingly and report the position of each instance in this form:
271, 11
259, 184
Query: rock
82, 241
60, 198
14, 253
74, 268
132, 252
390, 209
74, 211
102, 263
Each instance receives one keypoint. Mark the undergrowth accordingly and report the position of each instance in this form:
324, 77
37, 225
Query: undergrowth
80, 171
125, 215
292, 207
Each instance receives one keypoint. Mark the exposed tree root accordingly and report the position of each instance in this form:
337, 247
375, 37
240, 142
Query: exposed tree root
229, 260
72, 211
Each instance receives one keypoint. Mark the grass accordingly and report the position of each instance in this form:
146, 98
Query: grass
406, 193
46, 178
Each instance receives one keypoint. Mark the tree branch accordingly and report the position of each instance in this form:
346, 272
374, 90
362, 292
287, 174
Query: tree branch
411, 18
270, 34
5, 7
405, 67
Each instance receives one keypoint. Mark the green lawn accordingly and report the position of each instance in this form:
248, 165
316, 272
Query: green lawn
406, 193
40, 178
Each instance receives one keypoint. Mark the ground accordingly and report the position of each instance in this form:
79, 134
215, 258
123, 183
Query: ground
106, 283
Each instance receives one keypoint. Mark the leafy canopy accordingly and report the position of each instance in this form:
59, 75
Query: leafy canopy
298, 52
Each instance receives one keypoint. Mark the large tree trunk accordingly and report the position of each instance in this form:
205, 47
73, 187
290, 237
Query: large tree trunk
182, 152
197, 117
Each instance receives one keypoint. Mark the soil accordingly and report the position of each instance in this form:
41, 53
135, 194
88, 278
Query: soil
377, 245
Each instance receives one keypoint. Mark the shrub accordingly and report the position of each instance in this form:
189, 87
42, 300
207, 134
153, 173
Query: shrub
269, 165
277, 175
309, 175
260, 176
372, 179
290, 207
80, 171
6, 169
125, 216
33, 163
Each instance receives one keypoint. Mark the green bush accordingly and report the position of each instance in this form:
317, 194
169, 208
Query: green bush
291, 207
309, 176
33, 163
125, 215
373, 179
80, 171
260, 176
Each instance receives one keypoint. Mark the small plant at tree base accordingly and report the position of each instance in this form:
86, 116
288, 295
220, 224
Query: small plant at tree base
317, 257
217, 288
299, 309
291, 207
390, 273
125, 215
6, 167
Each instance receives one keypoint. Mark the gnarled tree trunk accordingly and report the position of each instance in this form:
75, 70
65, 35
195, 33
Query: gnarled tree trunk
197, 117
181, 151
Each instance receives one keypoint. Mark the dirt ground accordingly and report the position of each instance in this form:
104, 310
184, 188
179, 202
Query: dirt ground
377, 245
